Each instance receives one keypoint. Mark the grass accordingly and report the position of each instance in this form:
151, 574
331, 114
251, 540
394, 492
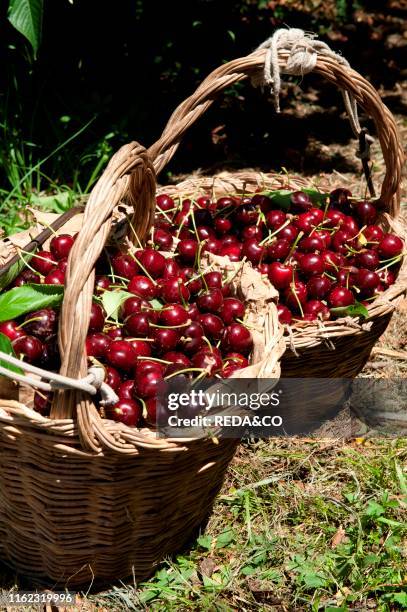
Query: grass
300, 525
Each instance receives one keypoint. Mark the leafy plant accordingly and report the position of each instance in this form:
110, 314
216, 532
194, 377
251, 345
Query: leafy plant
26, 16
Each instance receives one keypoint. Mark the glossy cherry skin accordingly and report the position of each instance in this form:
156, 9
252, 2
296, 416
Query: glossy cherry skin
210, 301
252, 232
237, 338
115, 333
143, 287
11, 330
102, 283
208, 360
162, 239
165, 339
284, 314
141, 347
123, 265
390, 246
280, 275
97, 318
193, 311
295, 295
97, 345
368, 259
41, 323
334, 218
152, 261
137, 325
55, 277
61, 245
366, 212
25, 277
205, 232
193, 282
212, 245
339, 197
305, 222
332, 260
187, 250
212, 325
237, 359
126, 411
171, 269
213, 280
222, 226
275, 219
367, 280
177, 357
253, 251
173, 315
289, 233
225, 202
325, 236
233, 251
341, 240
312, 264
340, 297
300, 201
351, 226
112, 378
28, 346
231, 309
246, 214
149, 384
317, 214
318, 287
165, 202
387, 277
373, 233
312, 243
317, 308
43, 402
175, 291
126, 390
279, 249
121, 355
192, 337
43, 262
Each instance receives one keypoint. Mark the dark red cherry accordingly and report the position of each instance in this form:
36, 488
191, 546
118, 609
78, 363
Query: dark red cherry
213, 280
252, 232
231, 309
137, 325
187, 250
152, 261
55, 277
165, 339
222, 226
149, 384
367, 280
212, 325
41, 323
342, 239
123, 265
275, 219
208, 360
177, 357
279, 249
295, 295
212, 245
97, 318
115, 333
43, 262
126, 390
312, 264
11, 330
312, 243
173, 315
300, 201
174, 290
340, 297
284, 314
102, 283
192, 335
61, 245
373, 233
25, 277
253, 251
126, 411
368, 258
280, 275
366, 212
225, 202
162, 239
263, 202
140, 347
143, 287
29, 347
390, 246
210, 301
112, 378
246, 214
237, 338
165, 202
97, 345
305, 222
317, 308
289, 233
334, 218
233, 251
339, 198
121, 355
318, 287
43, 402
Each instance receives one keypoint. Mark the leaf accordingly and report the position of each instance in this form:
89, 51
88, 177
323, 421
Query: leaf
205, 542
156, 304
401, 478
112, 300
58, 203
20, 300
354, 310
314, 581
26, 17
12, 273
400, 598
317, 197
225, 538
374, 509
282, 197
6, 347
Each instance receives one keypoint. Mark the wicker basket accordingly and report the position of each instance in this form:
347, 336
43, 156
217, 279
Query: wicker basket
84, 499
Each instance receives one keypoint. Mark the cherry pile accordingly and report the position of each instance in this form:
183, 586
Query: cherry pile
179, 317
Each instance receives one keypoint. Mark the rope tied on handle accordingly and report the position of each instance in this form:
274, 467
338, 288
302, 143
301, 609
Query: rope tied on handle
303, 50
92, 383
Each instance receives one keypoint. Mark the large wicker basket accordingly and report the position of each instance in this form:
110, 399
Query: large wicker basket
84, 499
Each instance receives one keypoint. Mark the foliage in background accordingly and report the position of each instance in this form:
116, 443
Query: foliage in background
77, 87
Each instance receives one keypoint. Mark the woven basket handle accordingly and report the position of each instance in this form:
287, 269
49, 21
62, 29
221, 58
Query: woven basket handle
247, 67
110, 190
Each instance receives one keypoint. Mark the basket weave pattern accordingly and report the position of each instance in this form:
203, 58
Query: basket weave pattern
83, 498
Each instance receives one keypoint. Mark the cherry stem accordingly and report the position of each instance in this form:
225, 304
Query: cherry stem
28, 321
27, 265
170, 326
272, 234
293, 247
142, 357
138, 262
183, 371
391, 261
